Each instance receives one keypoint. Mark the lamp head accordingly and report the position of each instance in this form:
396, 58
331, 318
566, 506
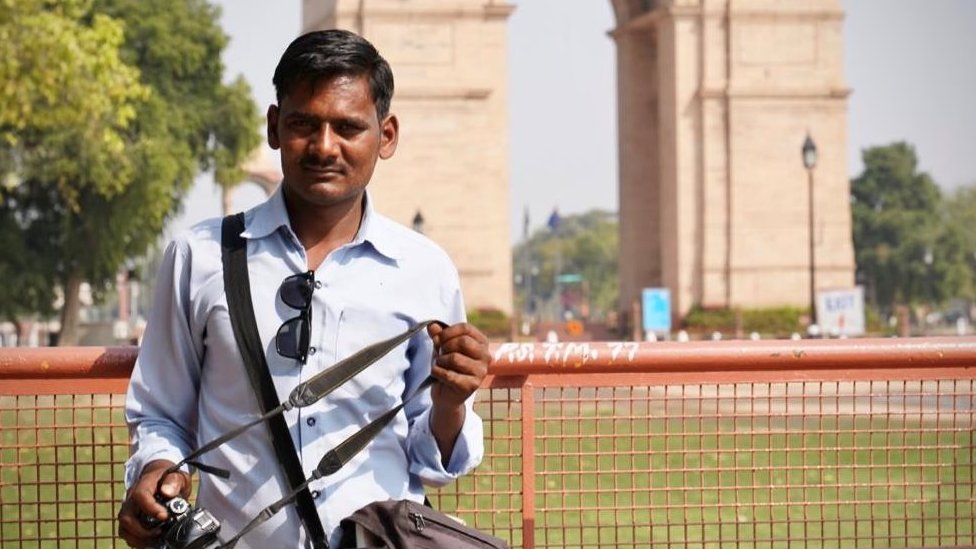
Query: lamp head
809, 153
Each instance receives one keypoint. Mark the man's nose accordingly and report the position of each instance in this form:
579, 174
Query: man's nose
325, 142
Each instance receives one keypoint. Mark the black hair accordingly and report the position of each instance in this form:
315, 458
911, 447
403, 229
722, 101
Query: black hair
325, 54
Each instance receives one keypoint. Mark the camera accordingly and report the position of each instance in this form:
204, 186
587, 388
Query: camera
187, 527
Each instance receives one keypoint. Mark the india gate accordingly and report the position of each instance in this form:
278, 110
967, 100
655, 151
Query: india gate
715, 100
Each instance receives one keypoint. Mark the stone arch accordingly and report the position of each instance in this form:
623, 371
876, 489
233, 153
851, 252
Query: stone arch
261, 170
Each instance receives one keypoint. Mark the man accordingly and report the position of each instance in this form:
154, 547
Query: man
370, 278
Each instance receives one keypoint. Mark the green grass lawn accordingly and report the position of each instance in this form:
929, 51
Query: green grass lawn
605, 477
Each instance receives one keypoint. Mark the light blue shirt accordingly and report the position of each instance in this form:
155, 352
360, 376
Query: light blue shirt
189, 384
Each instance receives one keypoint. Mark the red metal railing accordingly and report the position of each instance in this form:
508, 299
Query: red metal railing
833, 443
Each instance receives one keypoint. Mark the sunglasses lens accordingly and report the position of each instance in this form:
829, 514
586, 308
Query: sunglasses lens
296, 290
292, 339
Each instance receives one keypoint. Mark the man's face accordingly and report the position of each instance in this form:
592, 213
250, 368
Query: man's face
329, 139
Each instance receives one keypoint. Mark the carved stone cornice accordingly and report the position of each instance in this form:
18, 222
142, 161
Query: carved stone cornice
489, 11
648, 21
415, 94
774, 93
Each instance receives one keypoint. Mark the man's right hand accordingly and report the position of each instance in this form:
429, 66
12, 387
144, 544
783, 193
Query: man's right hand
140, 501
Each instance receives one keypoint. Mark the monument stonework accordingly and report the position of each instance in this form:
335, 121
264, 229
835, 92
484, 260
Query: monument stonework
450, 62
715, 100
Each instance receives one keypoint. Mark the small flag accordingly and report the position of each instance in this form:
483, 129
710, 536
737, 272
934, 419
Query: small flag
553, 219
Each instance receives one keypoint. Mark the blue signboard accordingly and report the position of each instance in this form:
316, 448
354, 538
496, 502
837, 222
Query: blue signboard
656, 308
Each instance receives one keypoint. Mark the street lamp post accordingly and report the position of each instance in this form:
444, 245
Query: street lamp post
810, 162
530, 301
928, 258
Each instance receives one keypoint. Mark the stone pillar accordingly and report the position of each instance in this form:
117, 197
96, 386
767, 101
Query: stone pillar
639, 201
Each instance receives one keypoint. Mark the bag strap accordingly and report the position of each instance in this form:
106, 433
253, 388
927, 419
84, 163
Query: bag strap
238, 289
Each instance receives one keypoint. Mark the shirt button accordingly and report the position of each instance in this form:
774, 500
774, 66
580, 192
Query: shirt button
311, 351
310, 422
318, 284
316, 494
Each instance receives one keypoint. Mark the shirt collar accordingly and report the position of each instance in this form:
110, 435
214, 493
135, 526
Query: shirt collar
375, 230
267, 217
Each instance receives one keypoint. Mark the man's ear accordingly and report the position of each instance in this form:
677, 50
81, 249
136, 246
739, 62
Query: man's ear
389, 134
273, 141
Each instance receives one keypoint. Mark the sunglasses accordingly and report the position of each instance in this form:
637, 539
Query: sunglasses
292, 340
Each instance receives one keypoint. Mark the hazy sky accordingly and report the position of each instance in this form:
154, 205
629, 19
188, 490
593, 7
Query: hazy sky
909, 62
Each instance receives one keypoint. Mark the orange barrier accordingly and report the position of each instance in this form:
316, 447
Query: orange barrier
825, 443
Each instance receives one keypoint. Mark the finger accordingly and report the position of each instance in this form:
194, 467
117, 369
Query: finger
465, 329
454, 386
477, 334
434, 328
465, 357
131, 528
175, 484
436, 332
459, 330
467, 346
143, 499
453, 390
459, 370
456, 370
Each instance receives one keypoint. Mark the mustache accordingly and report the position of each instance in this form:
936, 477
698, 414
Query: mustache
311, 161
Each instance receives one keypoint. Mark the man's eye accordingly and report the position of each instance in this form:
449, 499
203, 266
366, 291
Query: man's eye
301, 124
347, 128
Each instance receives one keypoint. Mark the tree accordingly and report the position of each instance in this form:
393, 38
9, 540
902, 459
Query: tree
101, 179
67, 101
904, 254
961, 240
583, 245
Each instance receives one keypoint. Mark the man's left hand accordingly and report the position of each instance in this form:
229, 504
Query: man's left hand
460, 366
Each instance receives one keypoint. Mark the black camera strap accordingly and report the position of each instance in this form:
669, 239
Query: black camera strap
238, 289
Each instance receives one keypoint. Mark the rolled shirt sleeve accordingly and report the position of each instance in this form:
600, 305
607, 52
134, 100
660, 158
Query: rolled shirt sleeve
426, 461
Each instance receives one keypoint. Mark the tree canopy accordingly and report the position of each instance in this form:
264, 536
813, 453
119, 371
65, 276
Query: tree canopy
576, 256
907, 250
960, 241
67, 101
110, 109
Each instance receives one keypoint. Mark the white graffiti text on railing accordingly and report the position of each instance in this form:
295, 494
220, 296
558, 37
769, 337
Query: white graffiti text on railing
515, 352
616, 347
567, 354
